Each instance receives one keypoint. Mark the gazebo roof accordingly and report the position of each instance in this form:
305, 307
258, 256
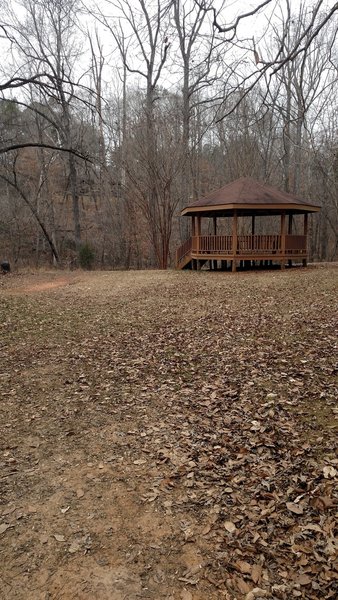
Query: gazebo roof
248, 197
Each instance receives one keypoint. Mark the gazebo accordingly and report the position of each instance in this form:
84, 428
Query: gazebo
245, 197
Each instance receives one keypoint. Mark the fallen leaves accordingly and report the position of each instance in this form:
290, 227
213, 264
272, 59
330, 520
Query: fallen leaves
186, 595
297, 509
223, 409
257, 593
242, 566
303, 579
256, 573
329, 472
74, 547
139, 461
229, 526
4, 527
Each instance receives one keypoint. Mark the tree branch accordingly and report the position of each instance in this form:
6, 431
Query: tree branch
42, 145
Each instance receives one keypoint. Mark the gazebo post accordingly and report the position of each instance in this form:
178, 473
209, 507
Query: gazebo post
253, 262
193, 226
193, 233
215, 265
282, 232
198, 233
234, 241
290, 233
306, 222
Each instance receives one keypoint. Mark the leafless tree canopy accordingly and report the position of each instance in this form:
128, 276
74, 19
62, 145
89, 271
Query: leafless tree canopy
116, 114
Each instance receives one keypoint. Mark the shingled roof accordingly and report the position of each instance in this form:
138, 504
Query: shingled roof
248, 196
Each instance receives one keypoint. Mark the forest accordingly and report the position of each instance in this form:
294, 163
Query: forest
116, 115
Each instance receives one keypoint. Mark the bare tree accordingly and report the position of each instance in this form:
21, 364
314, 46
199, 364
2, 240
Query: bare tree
145, 58
320, 16
183, 98
46, 44
299, 88
14, 179
189, 20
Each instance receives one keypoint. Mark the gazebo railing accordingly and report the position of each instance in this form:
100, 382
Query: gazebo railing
212, 244
262, 244
295, 244
247, 246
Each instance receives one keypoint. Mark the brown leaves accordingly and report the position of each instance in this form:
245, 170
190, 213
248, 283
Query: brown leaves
242, 566
229, 526
210, 401
59, 537
256, 573
297, 509
242, 585
4, 527
186, 595
303, 579
329, 472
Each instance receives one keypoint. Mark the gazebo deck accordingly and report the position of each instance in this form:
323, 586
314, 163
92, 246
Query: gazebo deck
249, 247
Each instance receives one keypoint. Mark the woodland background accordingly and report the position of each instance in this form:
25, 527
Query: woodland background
115, 116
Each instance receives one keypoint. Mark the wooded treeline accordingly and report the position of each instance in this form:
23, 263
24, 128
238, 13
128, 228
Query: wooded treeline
115, 116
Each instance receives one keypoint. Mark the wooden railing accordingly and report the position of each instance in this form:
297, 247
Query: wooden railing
247, 245
183, 251
295, 244
259, 244
212, 244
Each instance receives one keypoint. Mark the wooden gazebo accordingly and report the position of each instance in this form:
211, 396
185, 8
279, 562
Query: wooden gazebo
245, 197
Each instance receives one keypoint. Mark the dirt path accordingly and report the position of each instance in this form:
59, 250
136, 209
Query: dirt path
154, 427
44, 287
35, 282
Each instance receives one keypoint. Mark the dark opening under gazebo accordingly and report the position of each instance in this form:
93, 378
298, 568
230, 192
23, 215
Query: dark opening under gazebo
245, 197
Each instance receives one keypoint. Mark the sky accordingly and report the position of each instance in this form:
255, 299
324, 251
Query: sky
256, 26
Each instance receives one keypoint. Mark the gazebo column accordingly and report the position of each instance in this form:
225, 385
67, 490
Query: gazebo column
198, 233
234, 240
214, 262
306, 223
198, 228
253, 223
193, 234
193, 226
282, 232
290, 233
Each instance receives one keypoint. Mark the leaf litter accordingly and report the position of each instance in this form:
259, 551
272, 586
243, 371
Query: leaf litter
205, 399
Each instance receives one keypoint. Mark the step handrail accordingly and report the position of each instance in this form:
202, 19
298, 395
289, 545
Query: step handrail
183, 251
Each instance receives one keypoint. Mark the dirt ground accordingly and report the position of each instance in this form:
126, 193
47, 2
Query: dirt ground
168, 435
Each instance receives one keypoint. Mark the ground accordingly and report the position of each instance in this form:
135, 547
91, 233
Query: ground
168, 435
